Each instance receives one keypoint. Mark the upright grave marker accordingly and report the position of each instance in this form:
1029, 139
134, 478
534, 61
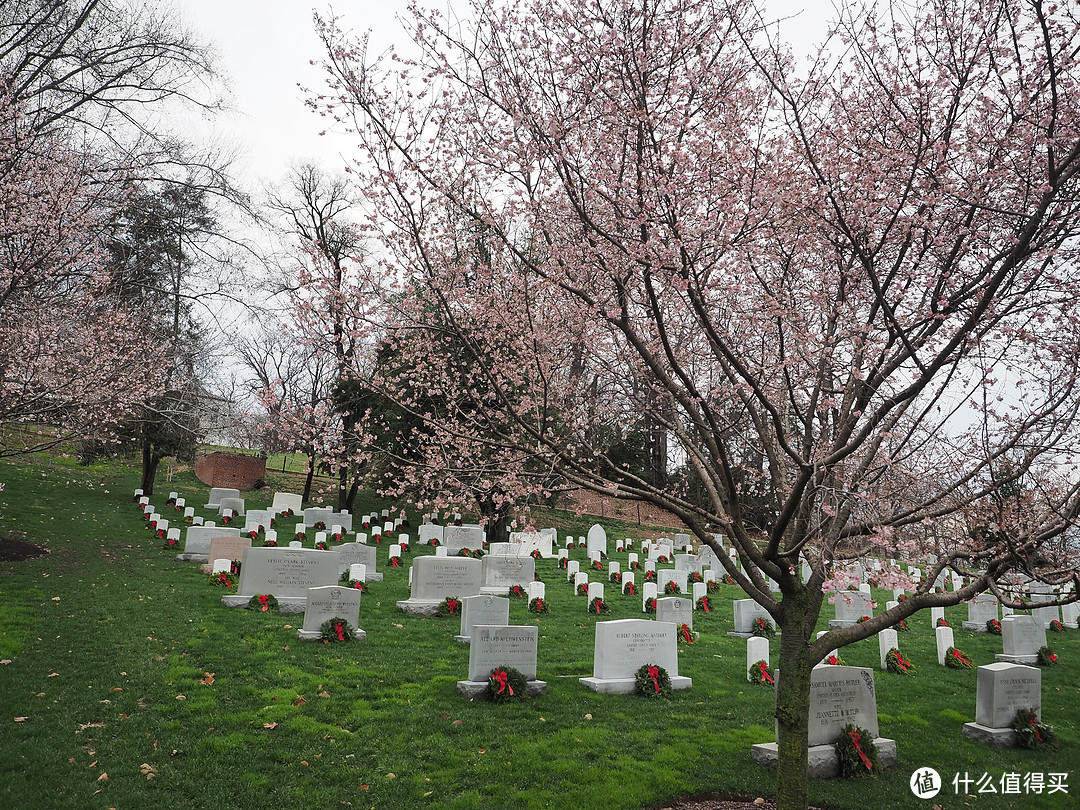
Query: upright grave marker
623, 646
1001, 690
326, 602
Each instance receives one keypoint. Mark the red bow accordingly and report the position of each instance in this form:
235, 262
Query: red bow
654, 673
686, 633
858, 749
765, 671
263, 600
500, 678
705, 604
340, 631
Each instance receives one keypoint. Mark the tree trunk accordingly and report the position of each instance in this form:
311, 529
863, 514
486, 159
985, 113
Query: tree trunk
150, 462
792, 706
306, 497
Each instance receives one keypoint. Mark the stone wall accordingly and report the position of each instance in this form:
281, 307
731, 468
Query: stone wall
230, 470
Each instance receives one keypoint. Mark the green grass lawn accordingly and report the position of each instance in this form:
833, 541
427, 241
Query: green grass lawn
126, 684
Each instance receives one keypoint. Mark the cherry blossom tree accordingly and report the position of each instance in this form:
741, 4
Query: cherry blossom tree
73, 356
847, 287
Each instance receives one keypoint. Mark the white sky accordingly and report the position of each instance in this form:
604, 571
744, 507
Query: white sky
265, 48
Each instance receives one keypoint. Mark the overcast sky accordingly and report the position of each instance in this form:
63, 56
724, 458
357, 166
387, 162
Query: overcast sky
265, 48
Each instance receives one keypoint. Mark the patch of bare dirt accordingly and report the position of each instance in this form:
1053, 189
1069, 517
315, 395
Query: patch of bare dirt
12, 550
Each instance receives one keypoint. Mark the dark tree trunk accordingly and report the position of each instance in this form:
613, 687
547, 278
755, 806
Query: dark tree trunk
150, 462
306, 497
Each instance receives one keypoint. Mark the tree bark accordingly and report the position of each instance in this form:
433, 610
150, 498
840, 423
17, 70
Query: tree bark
150, 462
793, 705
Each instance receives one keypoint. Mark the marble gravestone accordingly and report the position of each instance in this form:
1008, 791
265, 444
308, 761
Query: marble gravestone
596, 540
981, 609
839, 695
217, 493
678, 610
1021, 638
746, 610
352, 553
500, 573
197, 541
1001, 690
436, 578
467, 536
287, 573
623, 646
502, 646
485, 609
227, 548
327, 602
850, 607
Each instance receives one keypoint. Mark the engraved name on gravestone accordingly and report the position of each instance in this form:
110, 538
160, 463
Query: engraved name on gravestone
510, 646
287, 572
624, 645
840, 695
327, 602
1002, 689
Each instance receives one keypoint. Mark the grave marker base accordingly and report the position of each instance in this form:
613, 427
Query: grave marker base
975, 627
1017, 659
840, 624
316, 635
822, 761
993, 737
286, 604
627, 686
474, 690
420, 607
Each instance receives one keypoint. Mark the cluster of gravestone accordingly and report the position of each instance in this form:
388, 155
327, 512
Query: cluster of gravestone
306, 580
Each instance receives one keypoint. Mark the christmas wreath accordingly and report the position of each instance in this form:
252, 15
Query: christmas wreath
896, 663
616, 577
1031, 732
517, 592
941, 622
635, 565
335, 631
1047, 657
264, 602
322, 546
1055, 626
650, 576
564, 562
450, 606
993, 627
506, 683
695, 576
539, 605
226, 579
687, 635
535, 554
761, 672
650, 605
705, 604
630, 589
583, 589
652, 680
598, 606
857, 753
171, 543
395, 561
672, 587
955, 659
662, 560
834, 661
901, 626
712, 586
763, 628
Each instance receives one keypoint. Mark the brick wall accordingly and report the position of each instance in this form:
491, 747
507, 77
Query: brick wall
230, 470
